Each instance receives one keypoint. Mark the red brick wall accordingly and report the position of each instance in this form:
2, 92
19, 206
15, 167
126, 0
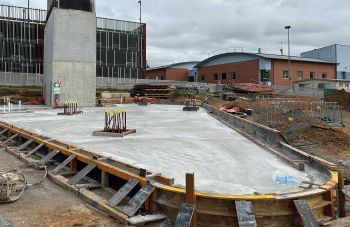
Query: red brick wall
168, 74
246, 72
278, 66
177, 74
153, 74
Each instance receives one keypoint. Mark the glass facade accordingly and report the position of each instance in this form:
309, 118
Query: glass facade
118, 48
120, 45
21, 39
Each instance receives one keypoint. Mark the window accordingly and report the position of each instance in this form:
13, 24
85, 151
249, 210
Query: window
343, 75
202, 78
215, 76
300, 75
233, 75
324, 75
312, 75
285, 74
223, 76
304, 87
324, 86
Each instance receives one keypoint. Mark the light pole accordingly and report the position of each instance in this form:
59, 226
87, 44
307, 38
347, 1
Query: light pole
141, 46
289, 72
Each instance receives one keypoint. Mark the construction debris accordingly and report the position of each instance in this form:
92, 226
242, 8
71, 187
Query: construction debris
246, 88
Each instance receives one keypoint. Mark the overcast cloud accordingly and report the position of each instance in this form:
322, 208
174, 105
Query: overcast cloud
185, 30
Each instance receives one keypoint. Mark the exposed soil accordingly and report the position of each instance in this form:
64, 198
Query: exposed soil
23, 94
301, 130
342, 97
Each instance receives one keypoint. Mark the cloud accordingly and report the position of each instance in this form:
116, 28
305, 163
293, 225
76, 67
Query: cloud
183, 30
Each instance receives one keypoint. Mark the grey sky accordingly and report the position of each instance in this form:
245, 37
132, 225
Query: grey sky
185, 30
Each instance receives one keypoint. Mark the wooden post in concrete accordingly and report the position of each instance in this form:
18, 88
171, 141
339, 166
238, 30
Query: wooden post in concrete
341, 196
190, 194
104, 179
74, 165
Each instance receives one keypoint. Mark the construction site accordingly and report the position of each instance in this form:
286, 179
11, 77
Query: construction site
75, 151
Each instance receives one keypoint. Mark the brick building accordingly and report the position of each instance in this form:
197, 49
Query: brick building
183, 71
259, 68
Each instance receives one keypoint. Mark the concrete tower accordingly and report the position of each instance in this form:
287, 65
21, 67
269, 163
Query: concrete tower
70, 52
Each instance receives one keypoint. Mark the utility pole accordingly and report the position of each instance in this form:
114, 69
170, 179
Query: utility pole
289, 72
141, 40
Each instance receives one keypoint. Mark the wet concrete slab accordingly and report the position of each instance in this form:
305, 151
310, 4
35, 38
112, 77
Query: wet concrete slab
172, 142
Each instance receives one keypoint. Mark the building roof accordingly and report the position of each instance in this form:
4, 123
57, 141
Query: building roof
179, 65
266, 56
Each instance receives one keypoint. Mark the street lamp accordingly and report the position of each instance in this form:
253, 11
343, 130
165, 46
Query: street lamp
141, 52
289, 72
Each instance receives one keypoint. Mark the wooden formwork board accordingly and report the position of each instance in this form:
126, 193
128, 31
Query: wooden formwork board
211, 209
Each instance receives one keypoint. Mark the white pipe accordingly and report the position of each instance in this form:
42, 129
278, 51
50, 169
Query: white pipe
20, 105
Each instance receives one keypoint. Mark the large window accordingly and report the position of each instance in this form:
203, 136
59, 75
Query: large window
215, 76
285, 74
324, 75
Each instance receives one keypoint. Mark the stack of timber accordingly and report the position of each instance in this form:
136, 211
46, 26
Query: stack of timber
246, 88
153, 91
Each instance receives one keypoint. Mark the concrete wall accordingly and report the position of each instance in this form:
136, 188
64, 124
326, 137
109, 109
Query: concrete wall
70, 56
21, 79
246, 72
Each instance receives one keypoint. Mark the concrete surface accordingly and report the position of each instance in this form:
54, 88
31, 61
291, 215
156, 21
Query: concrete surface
46, 204
70, 56
173, 142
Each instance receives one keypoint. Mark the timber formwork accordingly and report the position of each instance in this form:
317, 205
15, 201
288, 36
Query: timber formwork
135, 191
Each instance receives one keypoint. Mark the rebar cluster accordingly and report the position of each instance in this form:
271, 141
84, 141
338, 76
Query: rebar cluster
70, 107
115, 120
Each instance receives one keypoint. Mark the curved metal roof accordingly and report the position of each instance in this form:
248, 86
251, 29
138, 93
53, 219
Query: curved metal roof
266, 56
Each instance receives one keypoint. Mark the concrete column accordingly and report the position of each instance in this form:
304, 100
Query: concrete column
70, 56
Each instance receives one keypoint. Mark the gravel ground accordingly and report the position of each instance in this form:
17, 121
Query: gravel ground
46, 204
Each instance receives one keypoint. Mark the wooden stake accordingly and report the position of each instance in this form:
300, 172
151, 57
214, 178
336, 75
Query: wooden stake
190, 194
341, 196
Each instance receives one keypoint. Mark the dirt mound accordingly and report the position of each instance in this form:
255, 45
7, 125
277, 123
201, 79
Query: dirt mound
342, 97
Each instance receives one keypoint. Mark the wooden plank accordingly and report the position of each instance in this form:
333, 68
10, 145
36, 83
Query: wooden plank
341, 222
48, 157
79, 176
64, 163
245, 215
184, 217
25, 145
88, 185
2, 132
10, 138
305, 213
139, 219
35, 149
122, 192
136, 202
